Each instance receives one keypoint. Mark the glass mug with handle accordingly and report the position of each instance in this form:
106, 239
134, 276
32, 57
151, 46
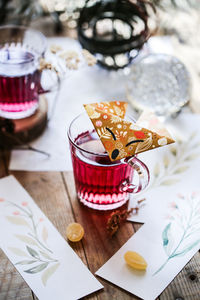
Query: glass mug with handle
21, 49
100, 183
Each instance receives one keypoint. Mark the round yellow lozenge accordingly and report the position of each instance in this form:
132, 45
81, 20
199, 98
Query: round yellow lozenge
135, 260
74, 232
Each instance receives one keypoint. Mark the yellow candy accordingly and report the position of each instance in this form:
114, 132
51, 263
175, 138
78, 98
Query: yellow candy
135, 260
74, 232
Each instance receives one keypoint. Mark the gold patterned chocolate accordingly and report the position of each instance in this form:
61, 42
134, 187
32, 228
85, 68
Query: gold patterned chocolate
122, 138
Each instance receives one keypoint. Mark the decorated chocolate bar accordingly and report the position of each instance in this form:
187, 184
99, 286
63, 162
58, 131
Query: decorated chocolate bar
122, 138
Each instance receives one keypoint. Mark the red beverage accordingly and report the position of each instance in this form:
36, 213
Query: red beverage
19, 82
101, 183
97, 179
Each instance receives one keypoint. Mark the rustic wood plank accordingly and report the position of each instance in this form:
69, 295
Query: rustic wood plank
2, 164
98, 246
12, 285
186, 285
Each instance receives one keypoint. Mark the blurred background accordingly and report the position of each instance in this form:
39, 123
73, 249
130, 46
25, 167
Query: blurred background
60, 16
179, 19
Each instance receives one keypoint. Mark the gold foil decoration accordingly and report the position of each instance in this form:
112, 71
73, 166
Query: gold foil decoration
122, 138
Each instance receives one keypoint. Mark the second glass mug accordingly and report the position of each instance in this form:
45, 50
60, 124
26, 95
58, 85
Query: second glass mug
21, 49
100, 183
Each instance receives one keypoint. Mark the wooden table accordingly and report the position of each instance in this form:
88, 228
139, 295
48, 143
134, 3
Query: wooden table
54, 193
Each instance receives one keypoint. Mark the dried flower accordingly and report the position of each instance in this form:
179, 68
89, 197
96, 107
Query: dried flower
71, 59
55, 48
44, 65
117, 217
89, 58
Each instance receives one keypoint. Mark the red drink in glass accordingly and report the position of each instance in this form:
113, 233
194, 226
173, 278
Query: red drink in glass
21, 49
19, 81
97, 179
100, 183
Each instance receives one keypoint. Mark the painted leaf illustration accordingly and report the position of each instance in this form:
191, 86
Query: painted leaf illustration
26, 239
181, 169
173, 150
169, 181
193, 135
186, 249
95, 115
197, 145
166, 161
192, 157
44, 234
26, 262
37, 269
156, 170
45, 255
49, 272
18, 252
104, 133
17, 220
145, 145
167, 239
115, 119
32, 252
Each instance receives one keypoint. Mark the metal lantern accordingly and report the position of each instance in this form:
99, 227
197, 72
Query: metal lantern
114, 30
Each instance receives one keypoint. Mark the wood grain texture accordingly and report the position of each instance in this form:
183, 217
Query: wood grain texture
2, 165
28, 129
12, 285
54, 192
98, 245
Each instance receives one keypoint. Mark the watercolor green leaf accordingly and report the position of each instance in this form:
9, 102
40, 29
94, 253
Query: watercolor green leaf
44, 234
169, 181
37, 269
173, 150
45, 255
197, 144
186, 249
167, 239
26, 239
156, 170
26, 262
18, 252
49, 272
17, 221
181, 169
192, 156
187, 223
32, 252
166, 161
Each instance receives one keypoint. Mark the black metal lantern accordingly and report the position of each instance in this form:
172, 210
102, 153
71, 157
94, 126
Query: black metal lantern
114, 30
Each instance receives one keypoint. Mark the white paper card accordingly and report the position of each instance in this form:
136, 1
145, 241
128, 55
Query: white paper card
43, 258
167, 244
173, 169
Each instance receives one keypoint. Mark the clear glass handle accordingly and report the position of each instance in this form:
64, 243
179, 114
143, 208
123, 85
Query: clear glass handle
142, 173
50, 81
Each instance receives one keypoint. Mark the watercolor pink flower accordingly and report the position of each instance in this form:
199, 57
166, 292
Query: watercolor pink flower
16, 213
